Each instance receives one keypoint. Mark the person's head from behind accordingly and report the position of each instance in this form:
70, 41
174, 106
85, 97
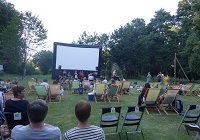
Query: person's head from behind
83, 110
112, 81
19, 92
147, 85
44, 80
37, 110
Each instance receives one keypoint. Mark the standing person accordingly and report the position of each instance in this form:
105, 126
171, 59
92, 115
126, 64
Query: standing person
141, 96
17, 104
64, 73
37, 129
148, 77
159, 77
84, 131
75, 75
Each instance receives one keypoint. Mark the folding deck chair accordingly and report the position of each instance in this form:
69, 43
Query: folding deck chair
151, 99
41, 92
74, 87
167, 100
125, 88
54, 93
100, 90
112, 93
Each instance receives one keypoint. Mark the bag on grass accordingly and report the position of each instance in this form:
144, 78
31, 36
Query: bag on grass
178, 104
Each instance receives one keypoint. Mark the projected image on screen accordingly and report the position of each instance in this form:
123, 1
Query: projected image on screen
77, 58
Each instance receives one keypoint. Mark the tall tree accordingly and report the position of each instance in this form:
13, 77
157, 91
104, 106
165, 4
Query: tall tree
10, 50
161, 42
43, 60
188, 17
33, 35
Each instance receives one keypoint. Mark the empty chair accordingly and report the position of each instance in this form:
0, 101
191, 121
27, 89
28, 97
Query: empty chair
191, 115
167, 99
110, 118
133, 118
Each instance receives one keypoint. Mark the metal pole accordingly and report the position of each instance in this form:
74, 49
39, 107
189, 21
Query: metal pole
175, 68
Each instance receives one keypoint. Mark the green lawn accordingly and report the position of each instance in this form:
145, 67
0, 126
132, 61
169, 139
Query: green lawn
155, 127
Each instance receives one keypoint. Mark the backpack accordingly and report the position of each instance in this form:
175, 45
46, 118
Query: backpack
178, 104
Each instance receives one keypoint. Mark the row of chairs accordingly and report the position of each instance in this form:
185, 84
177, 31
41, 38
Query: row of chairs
103, 92
156, 100
52, 94
110, 117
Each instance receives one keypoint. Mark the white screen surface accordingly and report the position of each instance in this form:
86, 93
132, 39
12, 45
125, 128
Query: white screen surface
77, 58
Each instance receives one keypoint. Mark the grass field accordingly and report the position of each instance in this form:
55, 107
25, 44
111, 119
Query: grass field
155, 127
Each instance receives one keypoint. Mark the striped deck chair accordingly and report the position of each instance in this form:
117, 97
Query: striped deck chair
167, 100
150, 102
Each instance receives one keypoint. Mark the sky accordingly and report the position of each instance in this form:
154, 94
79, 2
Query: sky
66, 20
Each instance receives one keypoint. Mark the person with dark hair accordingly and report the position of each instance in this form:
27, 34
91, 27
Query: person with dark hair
37, 129
140, 97
84, 131
18, 104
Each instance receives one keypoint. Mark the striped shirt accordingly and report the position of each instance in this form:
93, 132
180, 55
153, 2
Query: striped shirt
88, 133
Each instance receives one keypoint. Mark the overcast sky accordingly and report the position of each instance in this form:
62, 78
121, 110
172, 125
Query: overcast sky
66, 20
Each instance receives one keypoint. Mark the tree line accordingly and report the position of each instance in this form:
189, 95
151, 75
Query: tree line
138, 48
135, 48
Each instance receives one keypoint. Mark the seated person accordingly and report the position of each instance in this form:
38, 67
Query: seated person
17, 104
112, 83
141, 96
182, 89
105, 81
61, 87
37, 129
90, 77
84, 130
45, 84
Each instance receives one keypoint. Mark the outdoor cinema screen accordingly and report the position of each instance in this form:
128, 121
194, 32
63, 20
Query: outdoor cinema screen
76, 57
